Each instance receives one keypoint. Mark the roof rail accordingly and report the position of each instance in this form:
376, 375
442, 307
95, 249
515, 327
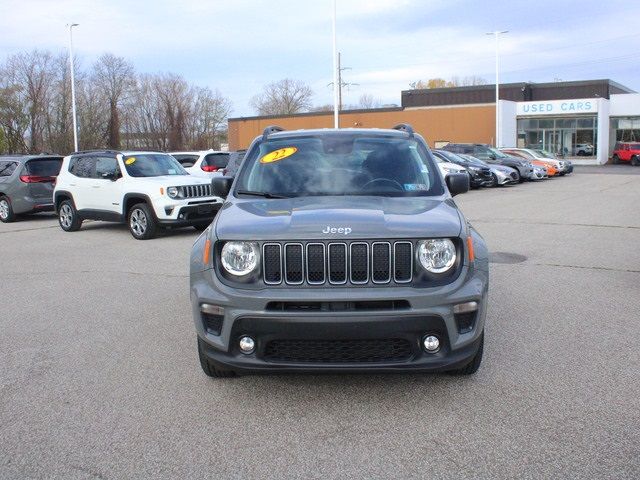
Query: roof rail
271, 129
404, 127
101, 150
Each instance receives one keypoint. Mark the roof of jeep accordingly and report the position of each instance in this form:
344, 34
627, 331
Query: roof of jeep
387, 132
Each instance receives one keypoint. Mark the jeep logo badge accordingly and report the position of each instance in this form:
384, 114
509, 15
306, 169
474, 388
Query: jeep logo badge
343, 230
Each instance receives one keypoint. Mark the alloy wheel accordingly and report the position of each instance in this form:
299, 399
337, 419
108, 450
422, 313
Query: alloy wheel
138, 222
66, 216
4, 209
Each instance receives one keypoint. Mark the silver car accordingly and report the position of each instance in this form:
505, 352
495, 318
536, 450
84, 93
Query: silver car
26, 184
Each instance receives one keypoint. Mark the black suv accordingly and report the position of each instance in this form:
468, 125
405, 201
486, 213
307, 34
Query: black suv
479, 173
493, 155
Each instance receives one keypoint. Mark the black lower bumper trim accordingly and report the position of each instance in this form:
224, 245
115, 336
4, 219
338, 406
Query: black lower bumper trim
334, 344
194, 214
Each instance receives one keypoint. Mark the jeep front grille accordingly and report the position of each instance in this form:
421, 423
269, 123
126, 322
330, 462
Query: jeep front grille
337, 263
194, 191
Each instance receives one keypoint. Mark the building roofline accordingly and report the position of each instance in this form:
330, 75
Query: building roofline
491, 86
312, 114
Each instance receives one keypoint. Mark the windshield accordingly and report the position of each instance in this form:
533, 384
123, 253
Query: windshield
450, 157
152, 165
498, 153
340, 164
545, 154
476, 162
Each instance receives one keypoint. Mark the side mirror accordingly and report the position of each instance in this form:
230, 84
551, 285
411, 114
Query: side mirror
457, 183
113, 176
221, 186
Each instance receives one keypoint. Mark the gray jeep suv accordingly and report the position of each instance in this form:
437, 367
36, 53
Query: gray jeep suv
339, 250
26, 184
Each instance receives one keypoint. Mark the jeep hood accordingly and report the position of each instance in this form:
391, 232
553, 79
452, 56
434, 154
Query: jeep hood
313, 218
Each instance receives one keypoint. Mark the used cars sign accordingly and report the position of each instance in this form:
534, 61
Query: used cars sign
557, 107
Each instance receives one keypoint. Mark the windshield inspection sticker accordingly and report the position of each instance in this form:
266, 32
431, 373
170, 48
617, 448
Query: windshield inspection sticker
278, 155
130, 161
415, 187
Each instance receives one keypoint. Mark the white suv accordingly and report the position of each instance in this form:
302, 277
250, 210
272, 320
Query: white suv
148, 190
205, 164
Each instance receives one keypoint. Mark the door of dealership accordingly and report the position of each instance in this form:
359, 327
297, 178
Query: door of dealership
562, 136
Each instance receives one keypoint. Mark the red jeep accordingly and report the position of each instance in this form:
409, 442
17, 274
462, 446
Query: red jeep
627, 152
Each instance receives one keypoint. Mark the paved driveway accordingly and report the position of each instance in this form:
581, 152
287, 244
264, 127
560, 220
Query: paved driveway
99, 376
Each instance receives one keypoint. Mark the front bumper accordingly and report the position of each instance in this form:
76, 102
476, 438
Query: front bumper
189, 214
430, 311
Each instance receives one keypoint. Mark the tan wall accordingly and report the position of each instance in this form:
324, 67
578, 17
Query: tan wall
454, 124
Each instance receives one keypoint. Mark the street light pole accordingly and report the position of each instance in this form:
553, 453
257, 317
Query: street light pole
73, 88
497, 34
336, 85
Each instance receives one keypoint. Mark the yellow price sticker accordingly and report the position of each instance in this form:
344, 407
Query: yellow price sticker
278, 155
130, 161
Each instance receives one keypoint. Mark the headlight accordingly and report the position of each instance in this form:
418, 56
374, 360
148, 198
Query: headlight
240, 258
173, 192
437, 255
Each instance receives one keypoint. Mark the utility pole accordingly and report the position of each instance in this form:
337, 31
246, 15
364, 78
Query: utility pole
336, 106
497, 34
73, 89
342, 83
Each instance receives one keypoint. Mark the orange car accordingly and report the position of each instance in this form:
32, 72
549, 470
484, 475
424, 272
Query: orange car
552, 170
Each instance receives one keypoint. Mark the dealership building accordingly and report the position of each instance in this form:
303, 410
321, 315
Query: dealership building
582, 120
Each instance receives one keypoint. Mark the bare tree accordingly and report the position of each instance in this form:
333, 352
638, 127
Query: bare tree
31, 74
207, 122
14, 119
115, 77
283, 98
162, 112
473, 80
453, 82
367, 101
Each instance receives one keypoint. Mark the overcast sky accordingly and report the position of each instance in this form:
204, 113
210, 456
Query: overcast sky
239, 46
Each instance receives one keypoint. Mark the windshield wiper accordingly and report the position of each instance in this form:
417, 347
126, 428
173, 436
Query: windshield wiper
261, 194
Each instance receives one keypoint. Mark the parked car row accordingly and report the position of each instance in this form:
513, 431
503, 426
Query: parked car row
147, 190
491, 167
150, 191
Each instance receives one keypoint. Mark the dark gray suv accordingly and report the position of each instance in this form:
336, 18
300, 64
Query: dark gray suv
339, 250
26, 184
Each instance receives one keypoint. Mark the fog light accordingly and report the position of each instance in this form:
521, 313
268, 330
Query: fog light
465, 307
431, 343
212, 309
247, 345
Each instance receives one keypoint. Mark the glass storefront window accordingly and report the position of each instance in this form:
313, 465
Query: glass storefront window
627, 129
566, 137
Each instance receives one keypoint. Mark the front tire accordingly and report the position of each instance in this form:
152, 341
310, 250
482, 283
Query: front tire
616, 159
68, 217
210, 368
142, 223
635, 161
6, 210
473, 366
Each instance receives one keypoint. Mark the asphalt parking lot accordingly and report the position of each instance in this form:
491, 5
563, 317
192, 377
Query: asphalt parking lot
99, 376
